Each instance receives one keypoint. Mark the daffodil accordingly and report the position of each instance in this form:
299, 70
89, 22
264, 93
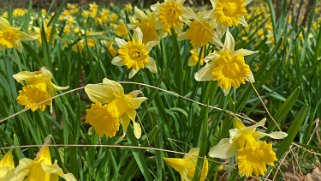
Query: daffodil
38, 87
121, 30
171, 14
229, 13
19, 12
148, 24
201, 31
112, 107
226, 66
128, 8
134, 54
6, 166
11, 37
186, 166
195, 57
41, 168
252, 154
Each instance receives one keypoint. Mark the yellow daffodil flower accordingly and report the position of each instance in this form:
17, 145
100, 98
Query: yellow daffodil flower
121, 30
226, 66
41, 168
194, 58
148, 24
252, 154
11, 37
38, 87
6, 166
186, 166
171, 14
112, 107
134, 54
128, 8
200, 32
18, 12
229, 13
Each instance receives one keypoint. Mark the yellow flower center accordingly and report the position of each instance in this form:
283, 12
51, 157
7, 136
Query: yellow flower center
8, 37
170, 12
31, 95
229, 12
199, 33
104, 119
253, 160
230, 70
134, 55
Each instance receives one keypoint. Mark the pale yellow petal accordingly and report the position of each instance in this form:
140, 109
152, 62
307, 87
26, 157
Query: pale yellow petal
104, 93
224, 149
137, 130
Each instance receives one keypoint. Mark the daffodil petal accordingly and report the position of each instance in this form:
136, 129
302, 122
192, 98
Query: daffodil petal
149, 45
205, 73
117, 61
151, 65
137, 130
23, 76
120, 42
229, 42
104, 93
244, 52
224, 149
138, 35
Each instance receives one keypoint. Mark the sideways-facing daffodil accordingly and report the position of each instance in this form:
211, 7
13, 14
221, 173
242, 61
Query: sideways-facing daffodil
134, 54
6, 166
11, 37
226, 66
186, 166
41, 168
252, 154
112, 107
37, 87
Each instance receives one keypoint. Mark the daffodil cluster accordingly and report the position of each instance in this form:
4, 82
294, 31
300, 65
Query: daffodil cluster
41, 168
252, 154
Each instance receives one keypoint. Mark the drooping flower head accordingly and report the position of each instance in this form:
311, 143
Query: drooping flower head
171, 14
229, 13
226, 66
252, 154
148, 24
37, 87
11, 37
112, 107
41, 168
186, 166
134, 54
201, 31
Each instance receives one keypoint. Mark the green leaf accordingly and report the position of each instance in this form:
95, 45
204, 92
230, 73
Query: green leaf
295, 127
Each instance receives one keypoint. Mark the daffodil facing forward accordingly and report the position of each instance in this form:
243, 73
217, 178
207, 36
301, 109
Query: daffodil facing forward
112, 107
134, 54
37, 88
252, 154
201, 31
41, 168
186, 166
229, 13
171, 15
11, 37
226, 66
